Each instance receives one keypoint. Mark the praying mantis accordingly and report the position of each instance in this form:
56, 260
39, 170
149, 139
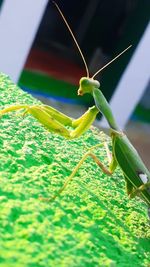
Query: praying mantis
124, 155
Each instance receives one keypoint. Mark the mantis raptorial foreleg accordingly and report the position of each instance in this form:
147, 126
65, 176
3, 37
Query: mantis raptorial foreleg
56, 121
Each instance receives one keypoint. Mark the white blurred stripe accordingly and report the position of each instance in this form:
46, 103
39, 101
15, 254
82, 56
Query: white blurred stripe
19, 21
132, 83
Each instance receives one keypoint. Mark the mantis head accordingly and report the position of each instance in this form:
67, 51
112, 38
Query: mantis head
86, 85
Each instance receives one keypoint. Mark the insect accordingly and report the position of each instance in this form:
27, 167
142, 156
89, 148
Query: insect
137, 176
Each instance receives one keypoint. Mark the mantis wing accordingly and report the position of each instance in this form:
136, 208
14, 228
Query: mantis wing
135, 172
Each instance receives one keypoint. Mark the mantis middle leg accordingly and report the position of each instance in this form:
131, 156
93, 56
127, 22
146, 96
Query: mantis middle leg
89, 153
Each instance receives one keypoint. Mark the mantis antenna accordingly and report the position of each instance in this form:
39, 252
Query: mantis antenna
65, 21
79, 49
111, 61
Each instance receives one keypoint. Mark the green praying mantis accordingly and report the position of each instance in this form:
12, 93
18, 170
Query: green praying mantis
137, 176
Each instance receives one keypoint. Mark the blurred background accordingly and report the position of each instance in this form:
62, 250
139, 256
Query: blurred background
38, 53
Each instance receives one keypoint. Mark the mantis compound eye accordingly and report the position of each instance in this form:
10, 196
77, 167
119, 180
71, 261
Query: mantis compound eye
85, 82
95, 83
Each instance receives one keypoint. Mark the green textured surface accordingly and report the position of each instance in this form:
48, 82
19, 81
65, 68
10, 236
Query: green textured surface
92, 224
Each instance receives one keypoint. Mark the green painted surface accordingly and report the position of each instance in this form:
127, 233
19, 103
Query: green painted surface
92, 224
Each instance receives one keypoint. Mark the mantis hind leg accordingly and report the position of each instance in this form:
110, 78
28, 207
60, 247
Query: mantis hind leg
139, 190
106, 170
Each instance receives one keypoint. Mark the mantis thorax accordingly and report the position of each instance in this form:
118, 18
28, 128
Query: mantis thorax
87, 85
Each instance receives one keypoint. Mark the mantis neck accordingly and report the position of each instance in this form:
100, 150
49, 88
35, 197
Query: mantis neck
103, 106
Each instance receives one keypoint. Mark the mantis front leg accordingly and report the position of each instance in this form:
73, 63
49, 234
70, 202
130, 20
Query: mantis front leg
55, 121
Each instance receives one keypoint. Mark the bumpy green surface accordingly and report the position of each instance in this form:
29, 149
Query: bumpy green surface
92, 224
